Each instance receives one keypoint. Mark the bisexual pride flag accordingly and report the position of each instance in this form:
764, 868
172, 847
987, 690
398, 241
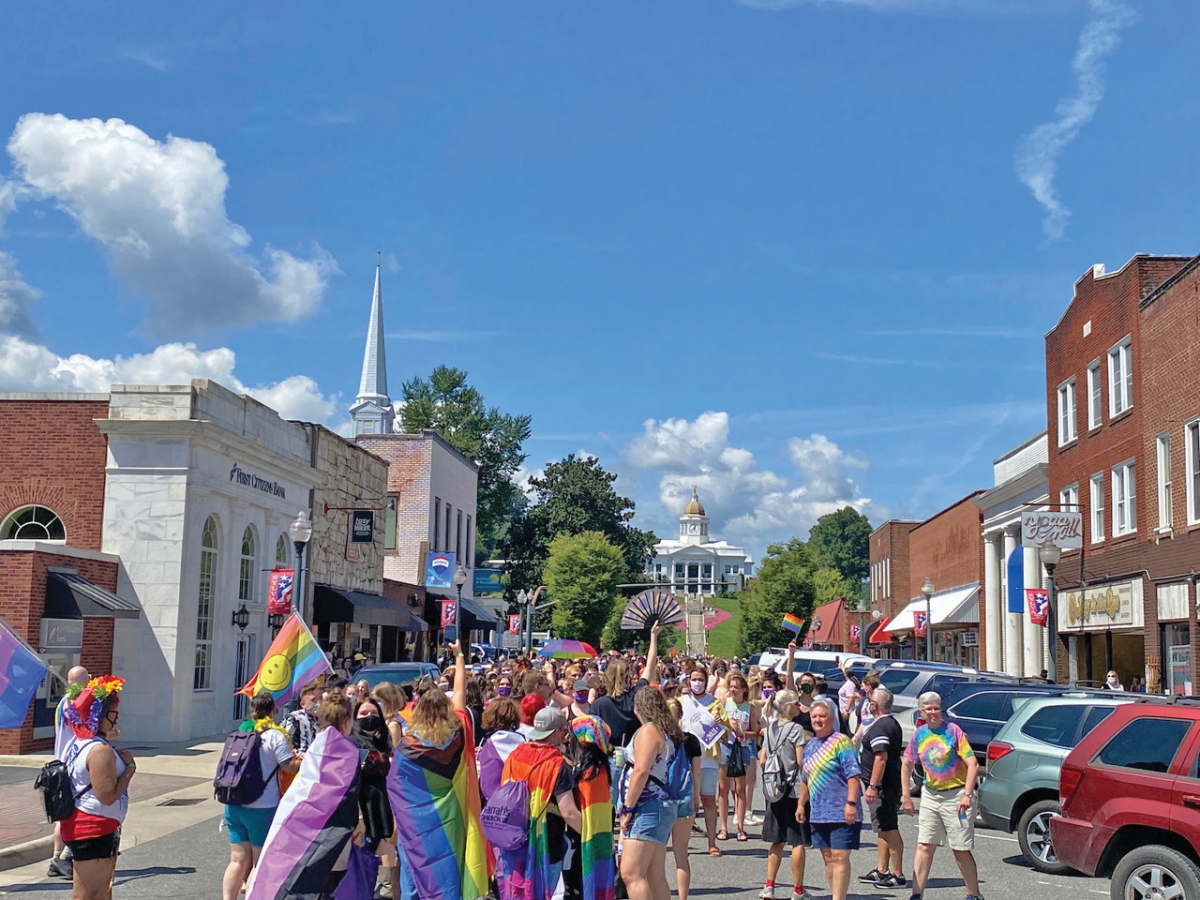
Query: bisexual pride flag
293, 660
21, 671
792, 623
312, 825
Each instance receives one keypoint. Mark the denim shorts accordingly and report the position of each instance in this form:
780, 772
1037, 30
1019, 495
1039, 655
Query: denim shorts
247, 825
652, 821
835, 836
748, 753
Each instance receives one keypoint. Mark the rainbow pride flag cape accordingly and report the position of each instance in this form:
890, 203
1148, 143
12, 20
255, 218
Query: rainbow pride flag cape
435, 798
792, 623
596, 839
527, 873
293, 660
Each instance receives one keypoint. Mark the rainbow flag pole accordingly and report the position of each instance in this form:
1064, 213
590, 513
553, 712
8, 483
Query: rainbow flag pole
293, 660
792, 623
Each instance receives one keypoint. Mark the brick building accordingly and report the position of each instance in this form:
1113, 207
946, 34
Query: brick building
58, 591
889, 582
1123, 405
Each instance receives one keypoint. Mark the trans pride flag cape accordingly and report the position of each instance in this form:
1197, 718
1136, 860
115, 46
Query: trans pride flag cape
596, 840
527, 872
312, 825
435, 799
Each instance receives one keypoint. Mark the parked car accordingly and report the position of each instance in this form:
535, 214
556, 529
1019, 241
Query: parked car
396, 673
909, 679
1020, 792
1130, 800
808, 660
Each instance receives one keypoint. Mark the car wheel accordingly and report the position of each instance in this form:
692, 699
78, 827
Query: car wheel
1033, 834
1155, 873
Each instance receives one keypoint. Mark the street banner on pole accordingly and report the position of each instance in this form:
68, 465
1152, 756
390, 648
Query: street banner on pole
514, 624
279, 592
920, 623
448, 609
855, 632
1038, 601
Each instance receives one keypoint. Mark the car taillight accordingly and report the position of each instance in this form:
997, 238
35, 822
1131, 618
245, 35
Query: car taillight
998, 749
1068, 782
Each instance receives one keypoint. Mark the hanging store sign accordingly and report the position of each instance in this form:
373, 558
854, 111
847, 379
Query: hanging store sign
1115, 605
362, 526
1063, 529
439, 570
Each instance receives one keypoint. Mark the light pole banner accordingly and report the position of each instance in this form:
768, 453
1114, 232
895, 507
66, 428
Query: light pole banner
920, 623
279, 592
855, 632
448, 610
514, 624
1038, 601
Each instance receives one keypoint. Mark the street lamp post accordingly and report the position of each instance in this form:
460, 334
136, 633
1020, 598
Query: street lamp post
523, 605
300, 532
927, 590
1049, 553
460, 578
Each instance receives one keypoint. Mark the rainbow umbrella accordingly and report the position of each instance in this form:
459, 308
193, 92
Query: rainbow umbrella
560, 648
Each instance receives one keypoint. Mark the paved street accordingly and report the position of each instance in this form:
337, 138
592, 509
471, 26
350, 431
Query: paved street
187, 865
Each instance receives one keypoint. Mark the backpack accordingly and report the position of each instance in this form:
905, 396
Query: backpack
505, 818
240, 779
679, 775
776, 783
54, 784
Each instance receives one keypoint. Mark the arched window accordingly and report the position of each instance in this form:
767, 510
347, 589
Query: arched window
282, 552
32, 523
205, 606
247, 567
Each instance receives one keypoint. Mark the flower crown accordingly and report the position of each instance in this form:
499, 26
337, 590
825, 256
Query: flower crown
89, 700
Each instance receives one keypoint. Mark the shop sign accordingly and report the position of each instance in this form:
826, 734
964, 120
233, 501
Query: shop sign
1116, 605
251, 480
61, 634
970, 638
439, 570
362, 526
487, 583
1063, 529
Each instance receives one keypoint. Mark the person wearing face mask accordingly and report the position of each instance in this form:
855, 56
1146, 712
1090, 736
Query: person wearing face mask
504, 687
370, 735
580, 699
1113, 683
697, 697
301, 725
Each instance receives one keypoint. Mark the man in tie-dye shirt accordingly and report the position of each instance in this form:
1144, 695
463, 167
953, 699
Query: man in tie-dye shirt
948, 807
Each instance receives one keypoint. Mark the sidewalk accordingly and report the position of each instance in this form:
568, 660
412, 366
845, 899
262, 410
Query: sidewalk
171, 791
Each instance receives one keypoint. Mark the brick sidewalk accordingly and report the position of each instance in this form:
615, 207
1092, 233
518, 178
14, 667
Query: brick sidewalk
22, 818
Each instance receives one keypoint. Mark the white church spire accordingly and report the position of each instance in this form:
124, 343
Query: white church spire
372, 410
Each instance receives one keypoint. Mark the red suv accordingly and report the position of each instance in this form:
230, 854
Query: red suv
1130, 798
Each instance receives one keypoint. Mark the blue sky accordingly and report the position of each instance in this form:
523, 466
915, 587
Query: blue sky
799, 253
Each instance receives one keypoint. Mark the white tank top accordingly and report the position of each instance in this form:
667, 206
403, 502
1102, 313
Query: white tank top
81, 782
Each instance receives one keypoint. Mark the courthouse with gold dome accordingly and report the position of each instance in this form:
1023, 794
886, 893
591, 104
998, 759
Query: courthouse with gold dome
696, 565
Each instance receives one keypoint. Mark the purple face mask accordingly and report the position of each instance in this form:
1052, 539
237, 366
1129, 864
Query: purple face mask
581, 696
505, 690
767, 692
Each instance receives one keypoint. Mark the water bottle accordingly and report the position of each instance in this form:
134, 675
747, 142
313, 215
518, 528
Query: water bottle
619, 758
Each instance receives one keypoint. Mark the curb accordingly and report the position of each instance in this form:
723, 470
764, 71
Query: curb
27, 853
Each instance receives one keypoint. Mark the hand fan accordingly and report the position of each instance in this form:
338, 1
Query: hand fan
649, 607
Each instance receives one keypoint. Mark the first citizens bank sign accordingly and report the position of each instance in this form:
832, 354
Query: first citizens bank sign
250, 480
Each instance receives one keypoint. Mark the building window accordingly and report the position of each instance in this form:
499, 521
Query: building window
282, 552
470, 535
389, 522
205, 602
247, 566
1095, 410
1191, 443
458, 538
1120, 378
1124, 489
1163, 447
1066, 412
1068, 499
437, 522
678, 570
446, 537
32, 523
1096, 490
658, 568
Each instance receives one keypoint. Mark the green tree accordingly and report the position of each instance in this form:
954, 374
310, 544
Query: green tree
842, 541
573, 496
829, 584
493, 440
583, 574
784, 584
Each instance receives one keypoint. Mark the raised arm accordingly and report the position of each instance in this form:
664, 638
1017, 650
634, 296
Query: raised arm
460, 677
789, 678
651, 671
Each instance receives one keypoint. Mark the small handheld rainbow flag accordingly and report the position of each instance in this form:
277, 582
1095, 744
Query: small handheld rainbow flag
792, 623
293, 660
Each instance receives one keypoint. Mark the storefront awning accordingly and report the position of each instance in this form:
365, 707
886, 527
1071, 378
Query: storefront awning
957, 606
827, 623
71, 596
476, 618
332, 604
877, 632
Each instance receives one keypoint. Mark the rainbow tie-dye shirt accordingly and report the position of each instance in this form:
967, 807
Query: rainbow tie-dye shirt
942, 753
828, 766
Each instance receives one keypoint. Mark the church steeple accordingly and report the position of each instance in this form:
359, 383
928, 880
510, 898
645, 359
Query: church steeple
372, 409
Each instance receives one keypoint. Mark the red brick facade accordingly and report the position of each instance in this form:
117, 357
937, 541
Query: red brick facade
889, 566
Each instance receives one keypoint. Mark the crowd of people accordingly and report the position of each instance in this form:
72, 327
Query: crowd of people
610, 760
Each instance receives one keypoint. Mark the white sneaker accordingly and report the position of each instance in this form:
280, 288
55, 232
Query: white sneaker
752, 819
767, 893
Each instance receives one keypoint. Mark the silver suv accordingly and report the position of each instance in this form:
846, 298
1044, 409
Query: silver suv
1020, 792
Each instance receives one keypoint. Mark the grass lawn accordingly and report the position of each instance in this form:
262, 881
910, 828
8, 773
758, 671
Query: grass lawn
722, 640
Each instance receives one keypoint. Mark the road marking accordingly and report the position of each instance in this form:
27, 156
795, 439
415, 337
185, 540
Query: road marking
997, 837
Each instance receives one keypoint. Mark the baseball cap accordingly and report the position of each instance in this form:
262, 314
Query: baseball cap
546, 722
581, 684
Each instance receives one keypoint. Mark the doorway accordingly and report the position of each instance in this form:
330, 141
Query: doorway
247, 665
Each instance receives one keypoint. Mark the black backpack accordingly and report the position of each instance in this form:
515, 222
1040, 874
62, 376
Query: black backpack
240, 779
54, 784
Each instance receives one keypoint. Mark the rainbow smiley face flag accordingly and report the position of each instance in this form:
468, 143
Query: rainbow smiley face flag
293, 660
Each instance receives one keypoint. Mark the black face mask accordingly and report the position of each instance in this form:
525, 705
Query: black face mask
370, 723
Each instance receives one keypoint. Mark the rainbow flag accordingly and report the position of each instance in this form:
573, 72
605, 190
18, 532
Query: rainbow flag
293, 660
596, 840
435, 798
792, 623
528, 873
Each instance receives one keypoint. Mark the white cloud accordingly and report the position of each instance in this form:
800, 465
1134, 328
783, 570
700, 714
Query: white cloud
15, 299
393, 264
158, 208
745, 503
147, 58
1037, 158
27, 366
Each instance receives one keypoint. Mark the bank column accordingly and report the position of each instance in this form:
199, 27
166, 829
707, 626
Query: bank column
993, 602
1014, 660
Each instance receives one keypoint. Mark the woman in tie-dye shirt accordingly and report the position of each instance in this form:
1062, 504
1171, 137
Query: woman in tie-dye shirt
948, 806
829, 784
